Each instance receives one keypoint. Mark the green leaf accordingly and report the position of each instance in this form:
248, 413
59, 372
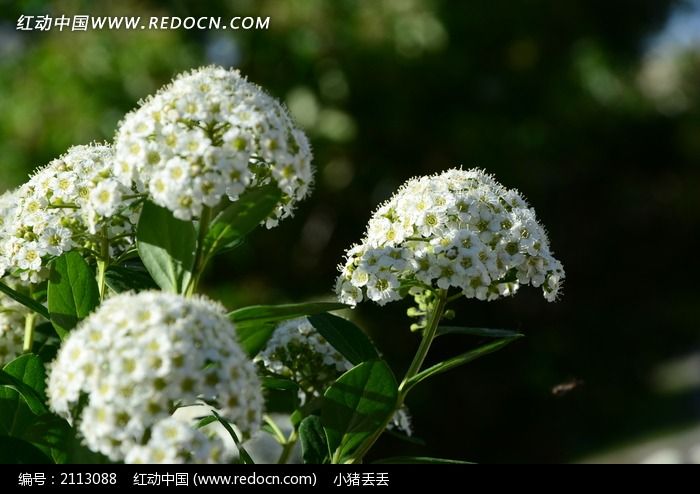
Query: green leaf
72, 292
167, 247
279, 384
281, 396
245, 457
314, 448
275, 313
24, 300
22, 395
18, 451
345, 337
459, 360
128, 277
253, 338
46, 342
415, 460
358, 406
26, 376
205, 421
255, 324
53, 435
483, 332
240, 218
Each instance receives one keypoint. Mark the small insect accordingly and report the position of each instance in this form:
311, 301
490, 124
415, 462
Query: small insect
567, 387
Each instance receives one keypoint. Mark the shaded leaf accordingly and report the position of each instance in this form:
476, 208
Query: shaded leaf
345, 337
241, 217
26, 376
128, 277
483, 332
18, 451
255, 324
314, 448
166, 246
53, 435
281, 395
46, 342
22, 395
276, 313
358, 406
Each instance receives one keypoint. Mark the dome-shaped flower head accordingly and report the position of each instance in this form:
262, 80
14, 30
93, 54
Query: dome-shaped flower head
134, 361
458, 230
298, 352
211, 134
74, 202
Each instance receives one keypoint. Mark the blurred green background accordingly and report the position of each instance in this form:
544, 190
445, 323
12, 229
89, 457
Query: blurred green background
590, 108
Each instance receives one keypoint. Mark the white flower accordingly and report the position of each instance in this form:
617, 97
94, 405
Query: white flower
71, 203
12, 316
208, 135
175, 441
401, 421
106, 197
8, 203
458, 230
141, 356
298, 352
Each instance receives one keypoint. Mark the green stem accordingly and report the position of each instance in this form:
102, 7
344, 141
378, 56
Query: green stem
428, 336
276, 431
29, 325
287, 448
199, 257
102, 263
429, 333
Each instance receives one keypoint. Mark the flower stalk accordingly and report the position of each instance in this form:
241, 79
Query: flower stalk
429, 333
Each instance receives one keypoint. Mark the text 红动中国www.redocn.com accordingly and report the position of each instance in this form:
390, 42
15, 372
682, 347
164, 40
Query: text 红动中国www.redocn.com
91, 23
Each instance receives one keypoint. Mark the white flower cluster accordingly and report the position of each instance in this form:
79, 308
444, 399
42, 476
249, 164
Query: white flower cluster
70, 203
460, 230
298, 352
12, 316
210, 134
139, 357
174, 441
8, 203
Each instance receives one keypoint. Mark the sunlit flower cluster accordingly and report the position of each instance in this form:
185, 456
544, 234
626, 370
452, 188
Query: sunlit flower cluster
8, 203
458, 230
73, 202
298, 352
131, 364
208, 135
